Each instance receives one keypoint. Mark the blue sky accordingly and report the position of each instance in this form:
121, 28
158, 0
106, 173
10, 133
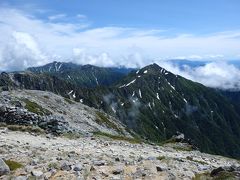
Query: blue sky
117, 32
181, 16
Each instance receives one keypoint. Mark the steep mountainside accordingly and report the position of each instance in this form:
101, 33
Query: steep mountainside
233, 96
82, 76
154, 103
157, 104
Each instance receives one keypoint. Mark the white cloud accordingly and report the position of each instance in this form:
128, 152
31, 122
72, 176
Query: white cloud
81, 16
214, 74
82, 57
57, 16
214, 56
21, 51
27, 37
202, 57
26, 40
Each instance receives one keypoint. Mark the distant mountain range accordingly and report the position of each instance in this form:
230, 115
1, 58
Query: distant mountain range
82, 75
152, 101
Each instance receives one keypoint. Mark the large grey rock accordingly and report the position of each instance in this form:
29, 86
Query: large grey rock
214, 172
203, 167
99, 163
159, 169
4, 169
37, 173
78, 167
117, 171
151, 158
66, 167
21, 178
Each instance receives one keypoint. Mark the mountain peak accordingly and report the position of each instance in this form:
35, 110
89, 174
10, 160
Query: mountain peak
153, 66
154, 69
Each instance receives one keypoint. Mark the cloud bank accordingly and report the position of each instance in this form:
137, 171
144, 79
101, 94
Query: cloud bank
219, 74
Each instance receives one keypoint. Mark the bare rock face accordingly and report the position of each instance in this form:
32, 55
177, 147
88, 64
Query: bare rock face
4, 169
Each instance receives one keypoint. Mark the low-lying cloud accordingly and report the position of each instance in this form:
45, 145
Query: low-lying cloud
216, 74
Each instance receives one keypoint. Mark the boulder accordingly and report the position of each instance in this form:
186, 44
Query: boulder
37, 173
78, 167
159, 169
151, 158
66, 167
179, 137
118, 170
214, 172
21, 178
4, 169
99, 163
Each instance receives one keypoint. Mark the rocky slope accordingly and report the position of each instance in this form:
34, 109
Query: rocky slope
153, 102
54, 113
32, 156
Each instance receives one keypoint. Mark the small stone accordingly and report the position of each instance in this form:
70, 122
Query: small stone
99, 163
159, 169
203, 167
21, 178
77, 167
117, 159
104, 174
37, 173
117, 171
238, 168
144, 174
230, 168
151, 158
92, 168
65, 167
140, 159
28, 168
48, 136
59, 158
4, 169
47, 175
33, 163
